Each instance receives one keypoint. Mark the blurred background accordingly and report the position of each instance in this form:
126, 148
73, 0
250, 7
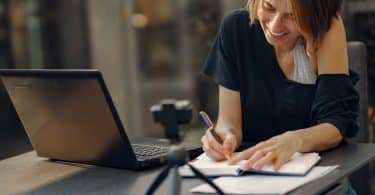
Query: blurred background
146, 51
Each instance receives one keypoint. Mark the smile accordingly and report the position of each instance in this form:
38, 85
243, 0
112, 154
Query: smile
277, 34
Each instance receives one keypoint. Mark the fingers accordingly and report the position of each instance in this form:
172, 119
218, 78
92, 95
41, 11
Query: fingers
229, 144
277, 150
242, 156
258, 162
213, 142
262, 154
269, 157
259, 155
214, 149
247, 153
279, 162
211, 152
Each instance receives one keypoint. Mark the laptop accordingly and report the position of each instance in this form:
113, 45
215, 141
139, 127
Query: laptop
13, 139
69, 115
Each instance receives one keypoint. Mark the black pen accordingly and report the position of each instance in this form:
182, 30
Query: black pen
211, 127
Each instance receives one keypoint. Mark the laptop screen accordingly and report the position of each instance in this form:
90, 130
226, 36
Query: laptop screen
13, 139
68, 115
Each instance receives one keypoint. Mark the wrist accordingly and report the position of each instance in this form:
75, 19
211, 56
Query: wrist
297, 141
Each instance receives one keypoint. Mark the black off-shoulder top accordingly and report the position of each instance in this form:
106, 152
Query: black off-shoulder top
242, 60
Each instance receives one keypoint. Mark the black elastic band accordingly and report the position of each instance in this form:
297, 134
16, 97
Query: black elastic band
159, 179
206, 179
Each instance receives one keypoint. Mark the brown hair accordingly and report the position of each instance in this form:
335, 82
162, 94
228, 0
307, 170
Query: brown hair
313, 17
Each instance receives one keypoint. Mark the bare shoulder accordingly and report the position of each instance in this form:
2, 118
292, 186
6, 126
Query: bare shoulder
332, 54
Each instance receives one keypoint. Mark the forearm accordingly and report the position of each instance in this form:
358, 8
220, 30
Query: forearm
317, 138
230, 117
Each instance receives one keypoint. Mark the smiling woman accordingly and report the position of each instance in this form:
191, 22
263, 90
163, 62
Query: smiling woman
313, 18
284, 81
277, 21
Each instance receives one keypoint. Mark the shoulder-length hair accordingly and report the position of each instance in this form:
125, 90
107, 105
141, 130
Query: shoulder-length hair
313, 17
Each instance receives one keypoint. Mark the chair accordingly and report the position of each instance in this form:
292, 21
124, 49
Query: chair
358, 63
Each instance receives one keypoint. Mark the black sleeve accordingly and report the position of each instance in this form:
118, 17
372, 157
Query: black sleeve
221, 62
336, 102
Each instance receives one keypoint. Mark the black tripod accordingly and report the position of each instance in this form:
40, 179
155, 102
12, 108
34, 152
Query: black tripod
170, 114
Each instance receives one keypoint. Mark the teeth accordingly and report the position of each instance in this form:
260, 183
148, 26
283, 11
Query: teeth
277, 34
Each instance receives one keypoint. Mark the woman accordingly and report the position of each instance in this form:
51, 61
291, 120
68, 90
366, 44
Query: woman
283, 81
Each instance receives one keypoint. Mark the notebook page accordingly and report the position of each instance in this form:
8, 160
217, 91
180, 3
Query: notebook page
209, 167
263, 184
299, 164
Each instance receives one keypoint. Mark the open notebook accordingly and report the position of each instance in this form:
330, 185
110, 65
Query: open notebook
263, 184
299, 165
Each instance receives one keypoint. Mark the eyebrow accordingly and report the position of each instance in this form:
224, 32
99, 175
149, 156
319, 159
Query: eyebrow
268, 3
273, 7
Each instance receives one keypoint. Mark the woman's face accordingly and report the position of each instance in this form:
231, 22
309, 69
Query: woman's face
276, 19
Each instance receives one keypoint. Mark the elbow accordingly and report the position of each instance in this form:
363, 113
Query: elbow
337, 137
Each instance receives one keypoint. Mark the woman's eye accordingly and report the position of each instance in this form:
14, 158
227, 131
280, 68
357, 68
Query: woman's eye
268, 7
290, 16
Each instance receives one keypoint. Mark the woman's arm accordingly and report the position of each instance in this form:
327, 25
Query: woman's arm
317, 138
332, 54
331, 58
229, 126
230, 113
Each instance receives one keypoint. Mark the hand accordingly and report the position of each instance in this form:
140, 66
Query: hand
277, 150
214, 149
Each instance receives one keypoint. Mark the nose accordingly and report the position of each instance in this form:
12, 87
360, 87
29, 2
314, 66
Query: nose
275, 24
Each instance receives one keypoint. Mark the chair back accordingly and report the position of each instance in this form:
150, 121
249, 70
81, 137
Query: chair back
358, 63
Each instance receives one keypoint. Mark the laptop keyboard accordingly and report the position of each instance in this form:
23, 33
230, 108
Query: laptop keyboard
149, 150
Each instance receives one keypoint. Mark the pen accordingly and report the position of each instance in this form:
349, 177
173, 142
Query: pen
211, 127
